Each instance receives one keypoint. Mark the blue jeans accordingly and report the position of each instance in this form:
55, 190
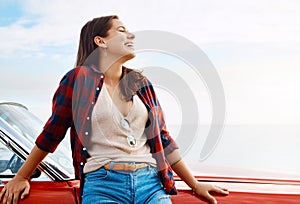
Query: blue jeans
124, 187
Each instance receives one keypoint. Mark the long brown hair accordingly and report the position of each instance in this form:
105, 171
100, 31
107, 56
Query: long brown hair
88, 53
96, 27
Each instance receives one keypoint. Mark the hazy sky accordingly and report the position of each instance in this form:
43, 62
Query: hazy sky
254, 46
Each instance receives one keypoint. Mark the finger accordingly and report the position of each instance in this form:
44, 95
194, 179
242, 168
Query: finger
2, 193
25, 193
218, 189
5, 195
224, 189
211, 199
8, 198
15, 198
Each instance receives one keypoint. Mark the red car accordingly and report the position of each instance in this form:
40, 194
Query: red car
54, 181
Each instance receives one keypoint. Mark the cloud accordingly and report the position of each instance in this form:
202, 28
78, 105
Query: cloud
55, 22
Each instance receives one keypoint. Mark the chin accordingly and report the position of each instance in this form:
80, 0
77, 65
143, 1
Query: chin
129, 56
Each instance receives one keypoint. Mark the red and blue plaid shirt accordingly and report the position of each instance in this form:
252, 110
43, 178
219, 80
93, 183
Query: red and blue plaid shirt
73, 104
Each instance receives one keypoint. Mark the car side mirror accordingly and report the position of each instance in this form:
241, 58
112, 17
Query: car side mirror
36, 173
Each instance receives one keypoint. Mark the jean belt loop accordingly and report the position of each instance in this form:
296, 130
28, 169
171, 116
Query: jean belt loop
112, 163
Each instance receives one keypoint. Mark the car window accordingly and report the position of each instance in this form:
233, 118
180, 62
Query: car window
5, 156
21, 120
24, 127
10, 163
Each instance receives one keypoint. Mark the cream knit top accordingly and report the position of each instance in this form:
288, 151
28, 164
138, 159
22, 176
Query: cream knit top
109, 139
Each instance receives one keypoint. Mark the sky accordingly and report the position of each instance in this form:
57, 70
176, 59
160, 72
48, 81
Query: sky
253, 45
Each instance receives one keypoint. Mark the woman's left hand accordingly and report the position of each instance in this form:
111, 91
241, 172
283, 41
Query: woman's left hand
204, 190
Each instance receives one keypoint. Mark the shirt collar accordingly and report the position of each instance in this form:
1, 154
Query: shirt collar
96, 69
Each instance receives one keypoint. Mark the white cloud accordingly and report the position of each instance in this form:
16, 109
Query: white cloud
59, 22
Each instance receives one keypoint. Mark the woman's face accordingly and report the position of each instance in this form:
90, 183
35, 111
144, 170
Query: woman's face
119, 41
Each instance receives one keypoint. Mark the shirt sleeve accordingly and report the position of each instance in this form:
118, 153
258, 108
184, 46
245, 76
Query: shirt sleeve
61, 119
168, 142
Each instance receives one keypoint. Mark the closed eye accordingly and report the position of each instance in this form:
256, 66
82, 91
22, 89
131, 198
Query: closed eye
122, 29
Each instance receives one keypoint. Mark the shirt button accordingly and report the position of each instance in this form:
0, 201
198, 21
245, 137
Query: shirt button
102, 76
93, 102
88, 118
86, 133
97, 88
81, 163
84, 149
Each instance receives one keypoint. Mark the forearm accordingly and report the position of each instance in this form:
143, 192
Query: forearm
184, 173
31, 163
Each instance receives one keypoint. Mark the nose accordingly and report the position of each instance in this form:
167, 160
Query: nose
130, 36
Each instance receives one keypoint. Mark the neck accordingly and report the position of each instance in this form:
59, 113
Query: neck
111, 66
113, 75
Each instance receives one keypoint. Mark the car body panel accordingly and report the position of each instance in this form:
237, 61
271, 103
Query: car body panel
54, 192
67, 192
239, 198
245, 191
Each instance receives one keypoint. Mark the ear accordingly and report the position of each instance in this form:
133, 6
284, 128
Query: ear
100, 42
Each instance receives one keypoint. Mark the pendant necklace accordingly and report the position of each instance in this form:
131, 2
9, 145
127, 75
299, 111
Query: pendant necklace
130, 138
126, 125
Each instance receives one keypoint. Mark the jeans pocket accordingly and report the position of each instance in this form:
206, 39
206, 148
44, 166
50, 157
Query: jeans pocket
97, 175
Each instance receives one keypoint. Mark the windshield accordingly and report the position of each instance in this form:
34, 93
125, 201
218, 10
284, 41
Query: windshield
29, 127
21, 120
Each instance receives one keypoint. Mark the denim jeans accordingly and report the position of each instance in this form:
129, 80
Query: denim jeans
124, 187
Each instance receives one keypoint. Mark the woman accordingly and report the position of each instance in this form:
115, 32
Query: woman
122, 152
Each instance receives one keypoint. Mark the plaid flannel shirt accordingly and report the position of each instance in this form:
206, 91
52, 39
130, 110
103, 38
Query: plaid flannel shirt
73, 104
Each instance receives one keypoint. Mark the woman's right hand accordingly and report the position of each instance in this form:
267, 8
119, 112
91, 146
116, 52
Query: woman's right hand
15, 189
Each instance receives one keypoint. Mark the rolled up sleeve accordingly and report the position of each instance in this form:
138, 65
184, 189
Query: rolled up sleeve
61, 119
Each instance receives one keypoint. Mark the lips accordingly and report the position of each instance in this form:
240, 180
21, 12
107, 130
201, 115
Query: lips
129, 44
